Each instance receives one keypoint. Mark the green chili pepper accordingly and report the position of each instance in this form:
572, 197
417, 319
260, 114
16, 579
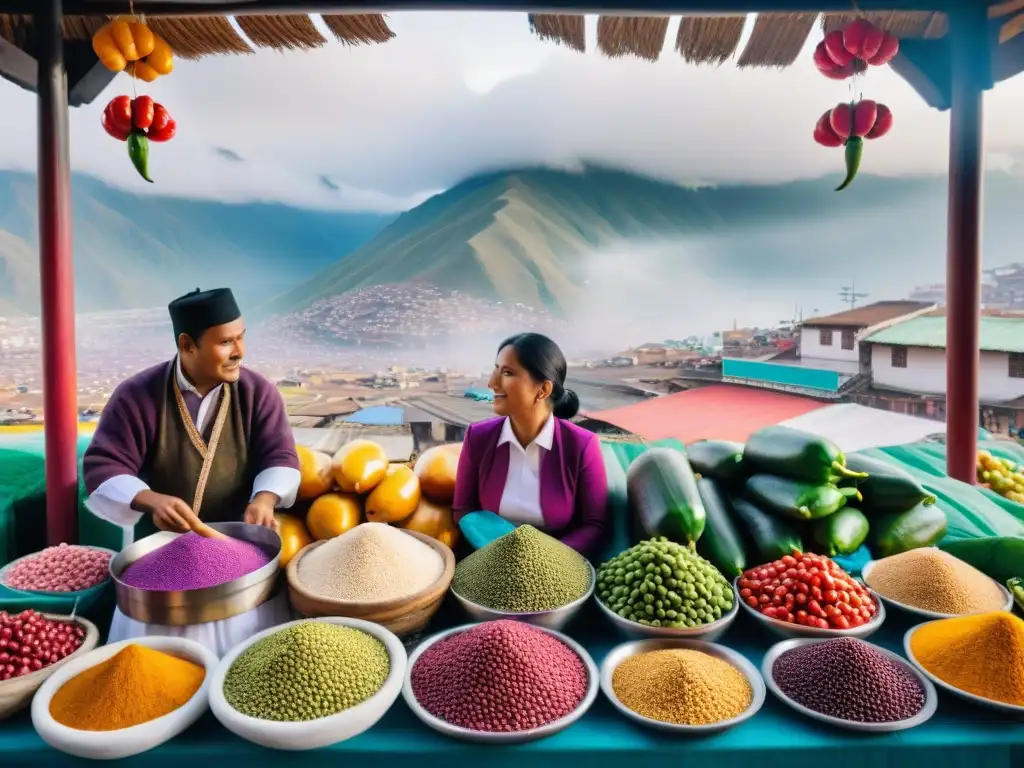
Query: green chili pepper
853, 153
1017, 588
138, 151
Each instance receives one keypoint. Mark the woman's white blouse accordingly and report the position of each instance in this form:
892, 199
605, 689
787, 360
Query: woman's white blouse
520, 501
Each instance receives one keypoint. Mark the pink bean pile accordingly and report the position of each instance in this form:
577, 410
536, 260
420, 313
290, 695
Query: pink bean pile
64, 568
499, 676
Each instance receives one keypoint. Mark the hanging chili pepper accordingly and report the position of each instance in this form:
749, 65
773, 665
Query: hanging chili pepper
138, 152
117, 117
889, 48
142, 112
824, 134
883, 123
159, 62
852, 154
836, 49
862, 38
163, 126
121, 41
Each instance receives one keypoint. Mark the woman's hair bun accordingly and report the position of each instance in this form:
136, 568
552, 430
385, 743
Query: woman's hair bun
568, 405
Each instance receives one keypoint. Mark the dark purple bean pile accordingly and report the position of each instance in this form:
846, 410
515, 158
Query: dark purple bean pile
848, 679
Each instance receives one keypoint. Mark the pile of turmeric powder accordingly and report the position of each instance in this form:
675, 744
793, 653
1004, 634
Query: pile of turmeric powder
982, 654
134, 686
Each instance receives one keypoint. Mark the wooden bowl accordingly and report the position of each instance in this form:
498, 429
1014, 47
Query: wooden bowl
16, 693
403, 616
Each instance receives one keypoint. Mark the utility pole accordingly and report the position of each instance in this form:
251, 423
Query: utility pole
849, 295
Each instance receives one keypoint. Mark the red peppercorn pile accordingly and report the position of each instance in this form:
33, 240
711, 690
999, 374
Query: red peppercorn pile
848, 679
499, 676
29, 642
64, 568
807, 589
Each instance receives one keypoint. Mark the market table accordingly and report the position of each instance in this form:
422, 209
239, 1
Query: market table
957, 736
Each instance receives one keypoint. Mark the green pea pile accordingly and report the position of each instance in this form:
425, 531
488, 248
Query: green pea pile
660, 583
523, 571
307, 671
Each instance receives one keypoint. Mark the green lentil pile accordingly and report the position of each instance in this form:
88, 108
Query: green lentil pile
523, 571
660, 583
307, 671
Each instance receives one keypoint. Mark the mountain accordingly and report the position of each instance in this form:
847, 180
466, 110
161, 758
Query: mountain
536, 236
134, 251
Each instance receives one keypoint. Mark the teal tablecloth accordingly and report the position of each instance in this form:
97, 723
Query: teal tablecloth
956, 737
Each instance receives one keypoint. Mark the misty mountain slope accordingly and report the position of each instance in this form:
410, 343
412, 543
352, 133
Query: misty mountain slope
141, 250
541, 237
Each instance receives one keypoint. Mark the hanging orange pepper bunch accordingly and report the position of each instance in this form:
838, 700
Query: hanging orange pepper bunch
127, 44
844, 54
137, 122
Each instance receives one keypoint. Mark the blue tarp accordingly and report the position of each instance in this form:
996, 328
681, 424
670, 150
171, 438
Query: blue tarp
480, 395
378, 416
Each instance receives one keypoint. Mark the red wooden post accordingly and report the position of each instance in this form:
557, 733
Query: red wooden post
970, 73
60, 391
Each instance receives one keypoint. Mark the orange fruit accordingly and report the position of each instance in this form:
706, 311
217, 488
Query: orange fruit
294, 536
315, 469
333, 514
359, 465
436, 468
433, 520
395, 497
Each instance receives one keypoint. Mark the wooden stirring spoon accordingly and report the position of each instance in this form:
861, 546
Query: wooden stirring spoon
209, 533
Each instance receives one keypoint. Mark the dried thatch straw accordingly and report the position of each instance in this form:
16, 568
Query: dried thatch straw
279, 32
192, 37
925, 24
357, 28
642, 36
709, 39
81, 27
562, 29
1005, 8
777, 39
1011, 28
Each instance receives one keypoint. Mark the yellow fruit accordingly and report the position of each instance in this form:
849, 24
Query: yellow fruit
315, 468
433, 520
436, 468
294, 536
333, 514
395, 497
359, 465
161, 60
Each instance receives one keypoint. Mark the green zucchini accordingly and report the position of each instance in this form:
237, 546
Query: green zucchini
999, 557
721, 542
663, 498
887, 488
718, 459
922, 526
772, 537
841, 533
789, 452
792, 498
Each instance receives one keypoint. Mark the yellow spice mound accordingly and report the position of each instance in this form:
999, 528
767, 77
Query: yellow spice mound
981, 654
933, 580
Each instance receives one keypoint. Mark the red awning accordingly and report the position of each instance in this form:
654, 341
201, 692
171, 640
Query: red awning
719, 412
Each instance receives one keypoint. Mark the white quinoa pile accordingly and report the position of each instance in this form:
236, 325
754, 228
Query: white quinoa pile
370, 563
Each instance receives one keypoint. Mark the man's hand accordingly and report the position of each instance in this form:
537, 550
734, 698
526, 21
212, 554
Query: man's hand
261, 510
169, 512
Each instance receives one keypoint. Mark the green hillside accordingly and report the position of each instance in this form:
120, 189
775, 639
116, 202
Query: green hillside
136, 251
529, 235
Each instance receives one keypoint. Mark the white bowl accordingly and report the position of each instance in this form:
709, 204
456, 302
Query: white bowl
787, 630
931, 699
706, 632
324, 731
125, 742
926, 614
620, 653
501, 737
1012, 709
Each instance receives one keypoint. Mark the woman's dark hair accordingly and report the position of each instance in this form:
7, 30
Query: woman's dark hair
544, 361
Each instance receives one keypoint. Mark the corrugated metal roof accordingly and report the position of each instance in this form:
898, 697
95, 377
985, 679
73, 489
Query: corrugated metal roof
871, 314
998, 334
856, 427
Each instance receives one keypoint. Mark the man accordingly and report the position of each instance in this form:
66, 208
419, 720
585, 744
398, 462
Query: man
196, 437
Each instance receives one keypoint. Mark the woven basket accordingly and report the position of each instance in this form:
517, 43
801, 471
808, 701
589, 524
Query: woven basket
404, 616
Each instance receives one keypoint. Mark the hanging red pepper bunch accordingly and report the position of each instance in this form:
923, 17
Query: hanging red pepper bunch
848, 125
138, 121
847, 52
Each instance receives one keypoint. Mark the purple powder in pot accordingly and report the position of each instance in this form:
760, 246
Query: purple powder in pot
848, 679
194, 562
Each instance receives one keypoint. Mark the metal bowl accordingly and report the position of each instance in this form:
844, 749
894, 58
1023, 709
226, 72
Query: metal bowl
7, 568
1012, 709
787, 630
931, 698
198, 606
620, 653
555, 619
1007, 599
706, 632
501, 737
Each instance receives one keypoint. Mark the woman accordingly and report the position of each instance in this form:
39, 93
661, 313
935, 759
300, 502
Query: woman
531, 465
